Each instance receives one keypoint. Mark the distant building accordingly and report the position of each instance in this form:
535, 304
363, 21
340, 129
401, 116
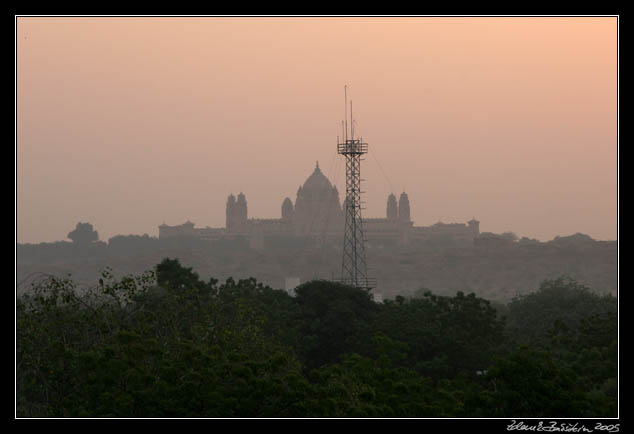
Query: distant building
318, 214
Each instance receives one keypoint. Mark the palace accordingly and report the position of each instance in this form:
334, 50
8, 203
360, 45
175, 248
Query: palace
318, 215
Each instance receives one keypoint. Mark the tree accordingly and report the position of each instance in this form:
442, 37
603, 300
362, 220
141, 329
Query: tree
335, 319
510, 236
171, 274
83, 234
118, 350
530, 383
445, 335
532, 316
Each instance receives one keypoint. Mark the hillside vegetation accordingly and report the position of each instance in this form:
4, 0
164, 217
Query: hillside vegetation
498, 270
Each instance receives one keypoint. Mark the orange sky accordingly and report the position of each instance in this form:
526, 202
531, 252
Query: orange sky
130, 122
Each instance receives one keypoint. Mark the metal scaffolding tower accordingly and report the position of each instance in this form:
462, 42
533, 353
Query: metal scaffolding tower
353, 264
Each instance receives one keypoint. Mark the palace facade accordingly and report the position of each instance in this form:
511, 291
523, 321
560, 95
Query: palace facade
318, 214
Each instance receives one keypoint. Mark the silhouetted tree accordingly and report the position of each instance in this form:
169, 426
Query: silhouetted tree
171, 274
83, 233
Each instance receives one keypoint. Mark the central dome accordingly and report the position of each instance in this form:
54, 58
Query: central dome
317, 183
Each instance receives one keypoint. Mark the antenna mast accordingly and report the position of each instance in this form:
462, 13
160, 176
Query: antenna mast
353, 264
351, 122
345, 108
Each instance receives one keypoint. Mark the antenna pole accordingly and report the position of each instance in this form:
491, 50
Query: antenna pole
345, 108
351, 122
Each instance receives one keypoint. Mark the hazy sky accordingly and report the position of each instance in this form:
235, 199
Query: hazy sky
130, 122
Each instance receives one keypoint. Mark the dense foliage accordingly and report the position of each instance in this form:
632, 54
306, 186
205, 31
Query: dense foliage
168, 344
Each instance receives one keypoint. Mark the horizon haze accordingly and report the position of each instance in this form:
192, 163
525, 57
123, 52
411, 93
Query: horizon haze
131, 122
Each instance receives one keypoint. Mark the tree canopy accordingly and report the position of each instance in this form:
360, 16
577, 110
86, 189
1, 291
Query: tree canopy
168, 344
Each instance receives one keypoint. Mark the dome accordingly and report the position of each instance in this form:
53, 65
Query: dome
317, 183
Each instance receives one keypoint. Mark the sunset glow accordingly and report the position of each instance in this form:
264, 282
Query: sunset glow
129, 122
